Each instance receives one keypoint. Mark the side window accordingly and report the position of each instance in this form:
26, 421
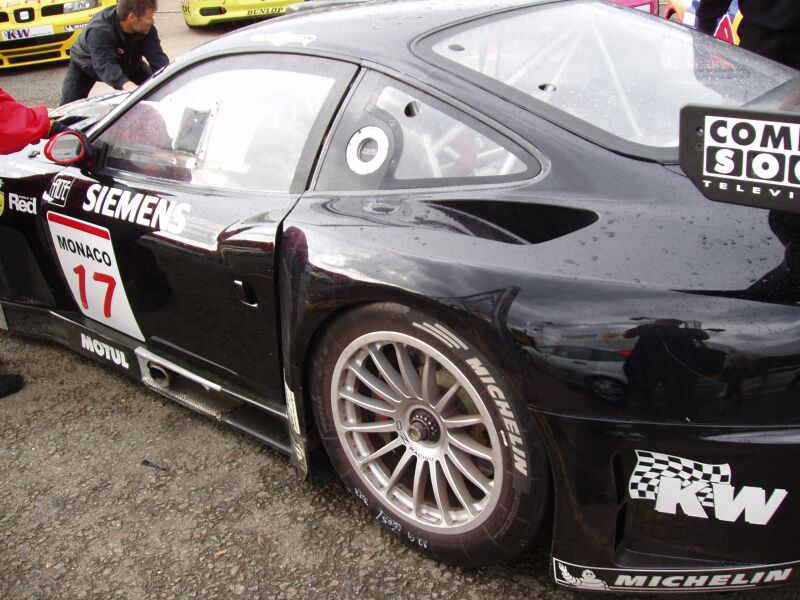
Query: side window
239, 122
393, 136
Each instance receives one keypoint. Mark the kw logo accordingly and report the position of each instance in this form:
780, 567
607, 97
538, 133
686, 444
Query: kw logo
17, 34
699, 490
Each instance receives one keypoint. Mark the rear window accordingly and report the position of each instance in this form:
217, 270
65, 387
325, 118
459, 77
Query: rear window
611, 74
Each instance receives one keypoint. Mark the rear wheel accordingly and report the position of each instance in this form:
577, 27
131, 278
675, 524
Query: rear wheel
422, 430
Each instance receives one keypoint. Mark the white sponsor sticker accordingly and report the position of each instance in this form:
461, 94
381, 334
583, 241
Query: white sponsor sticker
23, 204
161, 214
670, 580
291, 408
27, 32
752, 150
110, 353
87, 260
742, 157
59, 191
367, 150
683, 486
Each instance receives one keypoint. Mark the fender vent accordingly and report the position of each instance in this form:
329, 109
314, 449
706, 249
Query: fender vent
516, 222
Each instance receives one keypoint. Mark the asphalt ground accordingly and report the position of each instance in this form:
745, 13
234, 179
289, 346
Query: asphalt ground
108, 490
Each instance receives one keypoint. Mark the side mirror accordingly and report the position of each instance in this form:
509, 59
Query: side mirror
66, 148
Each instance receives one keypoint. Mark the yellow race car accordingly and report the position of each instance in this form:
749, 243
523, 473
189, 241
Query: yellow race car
198, 13
35, 32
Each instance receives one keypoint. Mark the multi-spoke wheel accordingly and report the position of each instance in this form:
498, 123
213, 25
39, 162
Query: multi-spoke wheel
417, 431
427, 436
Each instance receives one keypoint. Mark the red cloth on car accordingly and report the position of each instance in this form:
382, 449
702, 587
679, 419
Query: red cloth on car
20, 125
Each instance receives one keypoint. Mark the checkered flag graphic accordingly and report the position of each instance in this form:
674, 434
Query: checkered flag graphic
652, 466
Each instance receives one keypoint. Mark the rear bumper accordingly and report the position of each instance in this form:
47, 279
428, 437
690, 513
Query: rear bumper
673, 507
200, 13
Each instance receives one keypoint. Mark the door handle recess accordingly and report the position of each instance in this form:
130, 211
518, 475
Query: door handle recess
245, 293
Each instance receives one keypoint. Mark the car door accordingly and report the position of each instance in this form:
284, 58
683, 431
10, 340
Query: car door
173, 242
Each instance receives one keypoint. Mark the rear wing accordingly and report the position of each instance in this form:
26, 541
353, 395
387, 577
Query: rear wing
742, 156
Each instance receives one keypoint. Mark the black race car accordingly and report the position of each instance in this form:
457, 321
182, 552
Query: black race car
350, 232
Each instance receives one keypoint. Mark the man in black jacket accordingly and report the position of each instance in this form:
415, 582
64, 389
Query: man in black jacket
111, 49
768, 27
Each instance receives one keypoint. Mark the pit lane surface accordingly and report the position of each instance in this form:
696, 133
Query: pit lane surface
111, 491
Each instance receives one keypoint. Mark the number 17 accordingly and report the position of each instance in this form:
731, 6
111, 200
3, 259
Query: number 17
110, 282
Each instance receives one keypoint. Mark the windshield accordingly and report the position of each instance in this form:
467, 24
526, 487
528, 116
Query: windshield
619, 71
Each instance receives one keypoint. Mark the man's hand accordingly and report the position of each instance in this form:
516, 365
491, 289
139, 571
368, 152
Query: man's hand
129, 86
56, 128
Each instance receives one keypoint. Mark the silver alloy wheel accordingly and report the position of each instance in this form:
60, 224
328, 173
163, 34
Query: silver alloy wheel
417, 432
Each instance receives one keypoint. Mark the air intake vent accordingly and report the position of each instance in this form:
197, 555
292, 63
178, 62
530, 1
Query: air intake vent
516, 222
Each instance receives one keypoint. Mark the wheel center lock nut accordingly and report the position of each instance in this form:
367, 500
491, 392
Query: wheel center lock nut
423, 427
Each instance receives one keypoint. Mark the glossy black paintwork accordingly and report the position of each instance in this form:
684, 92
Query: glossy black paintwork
594, 507
698, 295
606, 252
548, 308
29, 273
182, 287
482, 288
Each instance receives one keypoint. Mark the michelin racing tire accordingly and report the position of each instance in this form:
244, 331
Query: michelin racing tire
425, 433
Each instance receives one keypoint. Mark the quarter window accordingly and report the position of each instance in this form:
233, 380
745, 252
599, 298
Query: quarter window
393, 136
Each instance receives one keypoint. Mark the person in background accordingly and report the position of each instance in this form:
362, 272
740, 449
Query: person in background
111, 49
770, 28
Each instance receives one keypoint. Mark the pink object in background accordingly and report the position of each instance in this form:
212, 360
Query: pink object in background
650, 6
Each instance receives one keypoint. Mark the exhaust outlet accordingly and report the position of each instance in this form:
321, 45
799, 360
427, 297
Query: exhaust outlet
159, 374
